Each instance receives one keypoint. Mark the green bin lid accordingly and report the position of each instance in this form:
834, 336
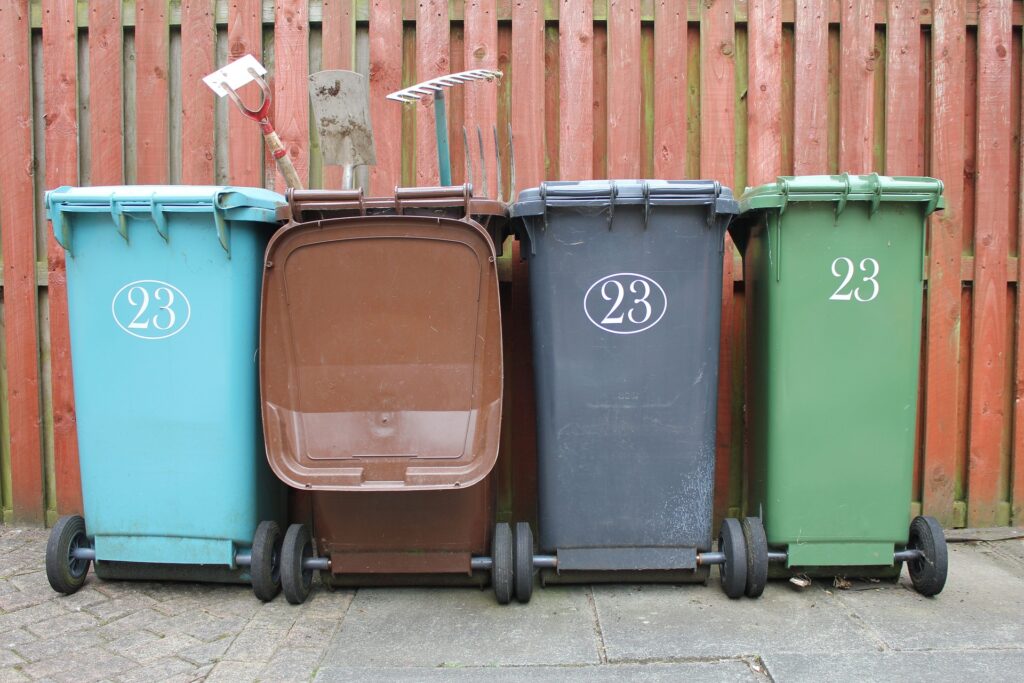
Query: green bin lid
844, 188
154, 201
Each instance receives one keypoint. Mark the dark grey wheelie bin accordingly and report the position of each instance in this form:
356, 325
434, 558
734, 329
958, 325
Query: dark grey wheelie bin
626, 291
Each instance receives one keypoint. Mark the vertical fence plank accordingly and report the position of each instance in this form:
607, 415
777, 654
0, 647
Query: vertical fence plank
717, 161
106, 122
1017, 462
481, 52
902, 82
988, 358
552, 142
669, 89
291, 84
432, 59
338, 31
941, 403
19, 251
764, 91
151, 95
576, 89
856, 85
600, 115
810, 115
60, 64
245, 148
528, 86
624, 81
198, 37
386, 77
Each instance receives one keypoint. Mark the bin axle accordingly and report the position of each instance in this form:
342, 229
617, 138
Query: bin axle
84, 554
244, 559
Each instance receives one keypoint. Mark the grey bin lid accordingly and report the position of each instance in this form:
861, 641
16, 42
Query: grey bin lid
597, 194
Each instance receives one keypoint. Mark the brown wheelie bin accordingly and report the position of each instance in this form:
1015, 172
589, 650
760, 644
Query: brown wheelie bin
381, 381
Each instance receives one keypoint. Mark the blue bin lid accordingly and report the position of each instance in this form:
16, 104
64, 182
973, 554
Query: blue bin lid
226, 203
586, 194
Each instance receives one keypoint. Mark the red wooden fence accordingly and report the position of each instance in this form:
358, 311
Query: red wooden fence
738, 90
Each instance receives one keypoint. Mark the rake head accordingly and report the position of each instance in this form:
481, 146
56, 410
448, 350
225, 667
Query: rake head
437, 85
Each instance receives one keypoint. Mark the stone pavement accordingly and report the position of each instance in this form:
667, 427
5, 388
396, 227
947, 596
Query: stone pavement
153, 631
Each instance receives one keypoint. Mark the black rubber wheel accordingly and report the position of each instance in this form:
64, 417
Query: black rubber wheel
757, 556
266, 561
65, 573
733, 573
502, 568
523, 560
296, 547
928, 573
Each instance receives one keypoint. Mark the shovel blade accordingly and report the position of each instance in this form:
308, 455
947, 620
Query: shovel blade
341, 109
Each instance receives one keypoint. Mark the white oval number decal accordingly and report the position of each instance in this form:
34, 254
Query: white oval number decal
625, 303
151, 309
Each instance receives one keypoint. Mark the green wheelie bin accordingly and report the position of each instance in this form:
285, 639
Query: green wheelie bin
834, 271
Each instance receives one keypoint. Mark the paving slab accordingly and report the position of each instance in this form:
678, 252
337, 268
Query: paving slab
435, 627
714, 671
655, 622
982, 606
902, 667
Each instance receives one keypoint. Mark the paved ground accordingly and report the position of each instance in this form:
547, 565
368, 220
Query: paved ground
150, 631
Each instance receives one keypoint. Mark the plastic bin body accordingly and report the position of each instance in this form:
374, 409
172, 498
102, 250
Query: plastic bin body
833, 269
164, 332
382, 381
626, 292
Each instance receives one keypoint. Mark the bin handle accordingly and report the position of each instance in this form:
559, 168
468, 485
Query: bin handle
463, 192
324, 199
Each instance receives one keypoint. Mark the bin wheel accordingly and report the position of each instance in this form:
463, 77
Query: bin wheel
266, 561
928, 573
733, 573
502, 567
757, 556
65, 573
523, 560
296, 548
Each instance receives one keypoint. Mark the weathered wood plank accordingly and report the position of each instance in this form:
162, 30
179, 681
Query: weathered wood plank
432, 60
198, 37
810, 118
60, 64
988, 357
717, 153
1017, 463
19, 253
245, 147
624, 102
385, 77
528, 86
151, 93
481, 99
857, 61
669, 90
338, 46
600, 94
106, 119
291, 85
764, 92
944, 286
576, 89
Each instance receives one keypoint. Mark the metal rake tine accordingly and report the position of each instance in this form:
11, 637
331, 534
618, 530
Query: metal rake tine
469, 157
483, 162
512, 165
497, 158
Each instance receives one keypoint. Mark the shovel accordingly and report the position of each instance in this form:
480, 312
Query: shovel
341, 110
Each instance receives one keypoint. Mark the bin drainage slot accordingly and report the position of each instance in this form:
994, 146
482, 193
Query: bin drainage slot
545, 561
710, 558
84, 553
777, 556
317, 563
481, 563
243, 559
907, 555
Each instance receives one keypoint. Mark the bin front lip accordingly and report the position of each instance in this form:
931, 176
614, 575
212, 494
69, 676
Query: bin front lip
456, 477
624, 192
843, 188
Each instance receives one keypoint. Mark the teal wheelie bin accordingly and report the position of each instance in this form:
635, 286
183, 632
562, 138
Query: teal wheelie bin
163, 304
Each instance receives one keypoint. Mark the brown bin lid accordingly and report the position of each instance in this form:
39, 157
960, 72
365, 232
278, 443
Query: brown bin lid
380, 363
